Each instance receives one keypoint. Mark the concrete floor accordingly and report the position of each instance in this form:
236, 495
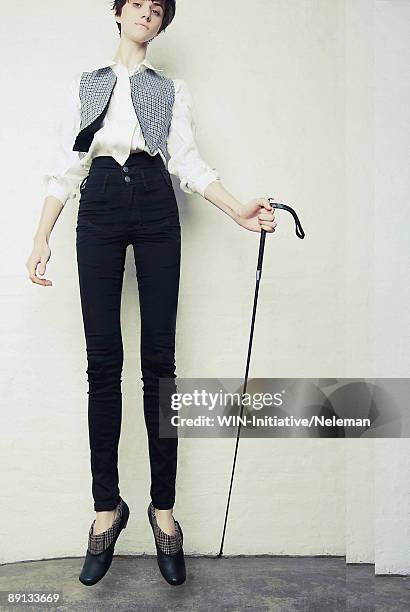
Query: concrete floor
274, 584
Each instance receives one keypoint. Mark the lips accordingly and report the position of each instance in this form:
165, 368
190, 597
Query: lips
143, 25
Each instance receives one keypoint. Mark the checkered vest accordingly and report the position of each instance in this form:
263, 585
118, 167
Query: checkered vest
153, 98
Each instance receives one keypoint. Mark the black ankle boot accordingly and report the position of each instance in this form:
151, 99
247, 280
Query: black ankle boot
170, 554
100, 548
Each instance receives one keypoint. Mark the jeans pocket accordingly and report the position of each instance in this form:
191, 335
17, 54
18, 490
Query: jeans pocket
94, 187
93, 190
83, 182
156, 180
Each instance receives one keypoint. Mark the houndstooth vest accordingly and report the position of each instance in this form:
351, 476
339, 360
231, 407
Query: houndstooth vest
153, 98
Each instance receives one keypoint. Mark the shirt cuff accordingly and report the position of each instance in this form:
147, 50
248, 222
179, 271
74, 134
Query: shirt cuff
58, 190
198, 185
205, 180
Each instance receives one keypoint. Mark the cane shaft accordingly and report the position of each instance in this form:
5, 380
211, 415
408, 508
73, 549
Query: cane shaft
300, 234
248, 360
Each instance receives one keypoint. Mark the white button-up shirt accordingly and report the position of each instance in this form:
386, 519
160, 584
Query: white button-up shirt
121, 134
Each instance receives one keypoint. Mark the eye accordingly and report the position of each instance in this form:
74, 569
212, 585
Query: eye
138, 4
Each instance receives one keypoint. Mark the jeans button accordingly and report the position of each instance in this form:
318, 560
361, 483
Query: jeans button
127, 179
125, 168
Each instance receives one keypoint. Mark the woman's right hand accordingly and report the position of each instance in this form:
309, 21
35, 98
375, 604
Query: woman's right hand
39, 257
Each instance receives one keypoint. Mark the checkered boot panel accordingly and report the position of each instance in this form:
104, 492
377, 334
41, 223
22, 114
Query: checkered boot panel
100, 542
169, 544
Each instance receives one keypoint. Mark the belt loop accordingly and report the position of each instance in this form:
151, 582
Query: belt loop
143, 178
105, 182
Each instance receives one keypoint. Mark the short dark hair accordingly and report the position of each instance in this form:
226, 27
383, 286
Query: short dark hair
169, 12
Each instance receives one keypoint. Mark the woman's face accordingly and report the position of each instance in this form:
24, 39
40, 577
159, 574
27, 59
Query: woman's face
141, 20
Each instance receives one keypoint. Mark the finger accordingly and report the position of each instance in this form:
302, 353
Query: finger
267, 216
42, 281
266, 219
34, 278
41, 269
265, 203
267, 228
31, 266
267, 223
37, 281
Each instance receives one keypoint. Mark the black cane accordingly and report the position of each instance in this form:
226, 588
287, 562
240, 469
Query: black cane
300, 234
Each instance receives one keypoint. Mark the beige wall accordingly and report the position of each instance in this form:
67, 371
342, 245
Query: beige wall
273, 89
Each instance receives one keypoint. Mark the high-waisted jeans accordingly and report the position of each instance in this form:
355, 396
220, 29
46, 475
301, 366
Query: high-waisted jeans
121, 205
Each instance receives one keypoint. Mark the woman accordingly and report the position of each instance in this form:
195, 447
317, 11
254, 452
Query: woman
121, 121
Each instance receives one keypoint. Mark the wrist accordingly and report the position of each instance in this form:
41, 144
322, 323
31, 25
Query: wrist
236, 216
40, 237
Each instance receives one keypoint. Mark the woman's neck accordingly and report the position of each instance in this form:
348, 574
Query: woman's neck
130, 53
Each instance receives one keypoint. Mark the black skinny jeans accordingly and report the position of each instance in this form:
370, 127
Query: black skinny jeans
121, 205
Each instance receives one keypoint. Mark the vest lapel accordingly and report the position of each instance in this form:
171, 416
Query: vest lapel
152, 99
95, 92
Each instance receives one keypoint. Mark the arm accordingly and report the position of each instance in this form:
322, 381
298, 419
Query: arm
60, 183
197, 177
185, 161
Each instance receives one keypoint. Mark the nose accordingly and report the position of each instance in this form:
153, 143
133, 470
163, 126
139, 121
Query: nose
149, 13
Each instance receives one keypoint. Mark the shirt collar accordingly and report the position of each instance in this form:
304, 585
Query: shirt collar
112, 62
